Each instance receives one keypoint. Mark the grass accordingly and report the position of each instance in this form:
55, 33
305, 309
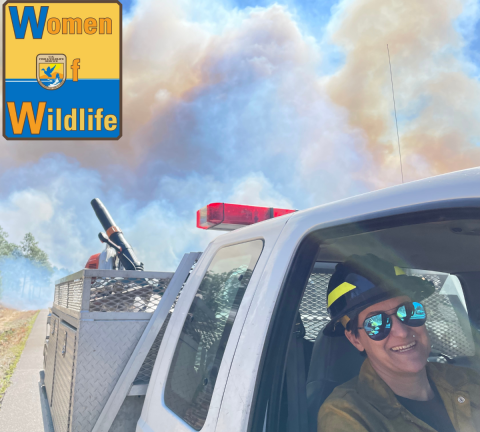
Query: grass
15, 327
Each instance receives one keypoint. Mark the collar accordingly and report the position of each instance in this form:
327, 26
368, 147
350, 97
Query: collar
371, 387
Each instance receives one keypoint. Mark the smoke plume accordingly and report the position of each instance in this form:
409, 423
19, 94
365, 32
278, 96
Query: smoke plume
232, 104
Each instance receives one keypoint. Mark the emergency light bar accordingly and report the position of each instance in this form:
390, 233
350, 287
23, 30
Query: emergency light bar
228, 217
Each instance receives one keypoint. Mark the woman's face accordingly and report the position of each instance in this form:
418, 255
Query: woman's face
403, 352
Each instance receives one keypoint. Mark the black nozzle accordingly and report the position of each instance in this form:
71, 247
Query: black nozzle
115, 237
102, 214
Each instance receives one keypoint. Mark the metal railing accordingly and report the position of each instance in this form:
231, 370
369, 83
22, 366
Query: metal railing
111, 291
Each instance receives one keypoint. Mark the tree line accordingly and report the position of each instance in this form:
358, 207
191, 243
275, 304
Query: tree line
25, 271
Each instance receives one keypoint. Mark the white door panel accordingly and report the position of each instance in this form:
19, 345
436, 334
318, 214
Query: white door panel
156, 416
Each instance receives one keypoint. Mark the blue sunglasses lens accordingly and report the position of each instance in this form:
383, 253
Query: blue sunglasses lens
412, 314
377, 326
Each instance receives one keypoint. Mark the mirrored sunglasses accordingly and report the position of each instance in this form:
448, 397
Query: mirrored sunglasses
379, 325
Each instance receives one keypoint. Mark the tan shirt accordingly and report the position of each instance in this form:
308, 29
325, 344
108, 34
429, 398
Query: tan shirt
366, 403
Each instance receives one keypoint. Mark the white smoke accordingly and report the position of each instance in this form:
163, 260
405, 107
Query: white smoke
224, 104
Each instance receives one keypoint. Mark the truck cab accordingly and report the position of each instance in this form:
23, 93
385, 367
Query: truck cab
244, 350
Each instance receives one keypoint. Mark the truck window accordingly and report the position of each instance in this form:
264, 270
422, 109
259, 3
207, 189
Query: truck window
302, 366
204, 336
448, 327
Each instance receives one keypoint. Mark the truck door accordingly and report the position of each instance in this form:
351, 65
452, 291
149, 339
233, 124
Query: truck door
282, 359
193, 363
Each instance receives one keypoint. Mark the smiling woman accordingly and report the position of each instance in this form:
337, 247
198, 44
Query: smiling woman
402, 351
381, 326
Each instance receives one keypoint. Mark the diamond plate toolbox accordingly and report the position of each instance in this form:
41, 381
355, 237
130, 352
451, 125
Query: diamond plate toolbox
98, 317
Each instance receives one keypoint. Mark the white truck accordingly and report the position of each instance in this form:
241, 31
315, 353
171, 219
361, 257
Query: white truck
232, 341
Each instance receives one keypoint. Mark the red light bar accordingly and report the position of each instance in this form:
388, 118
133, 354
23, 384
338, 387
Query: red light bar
227, 217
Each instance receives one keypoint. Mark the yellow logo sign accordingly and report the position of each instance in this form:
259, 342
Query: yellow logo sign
62, 70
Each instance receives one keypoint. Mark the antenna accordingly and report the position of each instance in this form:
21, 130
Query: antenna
395, 108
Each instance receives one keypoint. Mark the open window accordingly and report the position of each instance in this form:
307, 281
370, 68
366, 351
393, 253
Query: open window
301, 366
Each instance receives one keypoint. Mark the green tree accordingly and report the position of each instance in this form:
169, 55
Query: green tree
25, 268
36, 266
30, 250
6, 248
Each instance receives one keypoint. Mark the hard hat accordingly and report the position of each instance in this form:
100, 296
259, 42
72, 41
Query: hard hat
363, 280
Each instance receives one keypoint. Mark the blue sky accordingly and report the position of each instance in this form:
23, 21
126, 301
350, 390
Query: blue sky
127, 5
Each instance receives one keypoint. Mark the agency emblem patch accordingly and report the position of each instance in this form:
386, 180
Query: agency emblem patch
51, 70
62, 76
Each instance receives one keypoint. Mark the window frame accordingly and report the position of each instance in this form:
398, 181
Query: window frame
270, 380
470, 283
204, 273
